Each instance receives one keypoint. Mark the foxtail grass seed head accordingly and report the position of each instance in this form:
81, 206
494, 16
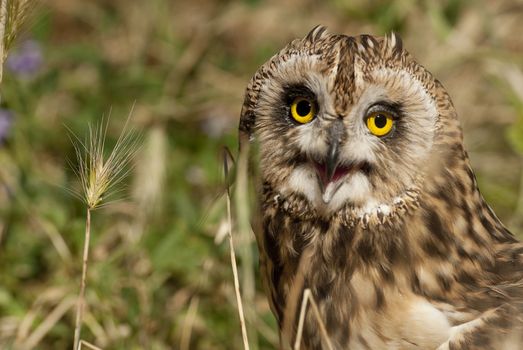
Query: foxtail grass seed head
99, 174
13, 15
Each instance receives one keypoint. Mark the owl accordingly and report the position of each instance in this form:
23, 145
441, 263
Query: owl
367, 199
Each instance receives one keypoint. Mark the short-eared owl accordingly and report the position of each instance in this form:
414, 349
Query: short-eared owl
367, 198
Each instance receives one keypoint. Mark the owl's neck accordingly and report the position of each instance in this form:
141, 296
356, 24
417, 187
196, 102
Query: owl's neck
444, 215
368, 216
452, 196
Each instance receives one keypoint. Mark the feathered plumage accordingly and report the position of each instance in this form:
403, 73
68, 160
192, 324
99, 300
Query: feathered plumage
390, 233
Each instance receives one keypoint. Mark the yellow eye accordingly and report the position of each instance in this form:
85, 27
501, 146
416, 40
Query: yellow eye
303, 110
380, 123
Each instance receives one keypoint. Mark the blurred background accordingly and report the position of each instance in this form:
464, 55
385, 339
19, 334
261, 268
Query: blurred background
159, 272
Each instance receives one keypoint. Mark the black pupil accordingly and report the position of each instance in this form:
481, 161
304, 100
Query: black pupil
303, 108
380, 120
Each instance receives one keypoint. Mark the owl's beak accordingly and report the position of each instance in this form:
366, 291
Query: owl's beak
330, 172
332, 159
335, 135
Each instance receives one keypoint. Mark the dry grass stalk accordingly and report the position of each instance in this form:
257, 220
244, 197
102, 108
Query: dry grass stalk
307, 297
81, 295
233, 255
149, 179
55, 237
52, 318
98, 330
185, 339
3, 25
241, 200
50, 296
98, 176
88, 345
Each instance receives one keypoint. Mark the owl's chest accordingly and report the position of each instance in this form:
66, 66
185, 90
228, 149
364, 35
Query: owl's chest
364, 311
403, 321
363, 286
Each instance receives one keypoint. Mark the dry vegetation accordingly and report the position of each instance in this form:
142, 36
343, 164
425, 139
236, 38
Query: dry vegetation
159, 272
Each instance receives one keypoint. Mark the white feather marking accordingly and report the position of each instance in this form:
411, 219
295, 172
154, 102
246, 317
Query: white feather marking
355, 189
310, 140
392, 40
303, 180
384, 209
420, 314
398, 200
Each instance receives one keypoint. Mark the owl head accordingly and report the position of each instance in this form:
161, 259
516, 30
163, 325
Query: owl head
348, 122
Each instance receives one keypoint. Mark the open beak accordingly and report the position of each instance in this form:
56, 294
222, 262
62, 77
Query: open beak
329, 171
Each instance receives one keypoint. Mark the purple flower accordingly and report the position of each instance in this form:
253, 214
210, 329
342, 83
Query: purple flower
26, 59
216, 124
6, 119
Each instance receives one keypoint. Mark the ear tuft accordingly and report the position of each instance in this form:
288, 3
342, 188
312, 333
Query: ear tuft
316, 33
395, 43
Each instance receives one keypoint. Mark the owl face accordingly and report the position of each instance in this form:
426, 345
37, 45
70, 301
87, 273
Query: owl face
343, 121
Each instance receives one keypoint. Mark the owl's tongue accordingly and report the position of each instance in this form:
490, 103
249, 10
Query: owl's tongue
330, 184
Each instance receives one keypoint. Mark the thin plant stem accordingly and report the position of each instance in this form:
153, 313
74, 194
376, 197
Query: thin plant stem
233, 260
323, 329
303, 311
81, 296
241, 198
307, 297
185, 339
88, 345
236, 280
3, 23
50, 320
